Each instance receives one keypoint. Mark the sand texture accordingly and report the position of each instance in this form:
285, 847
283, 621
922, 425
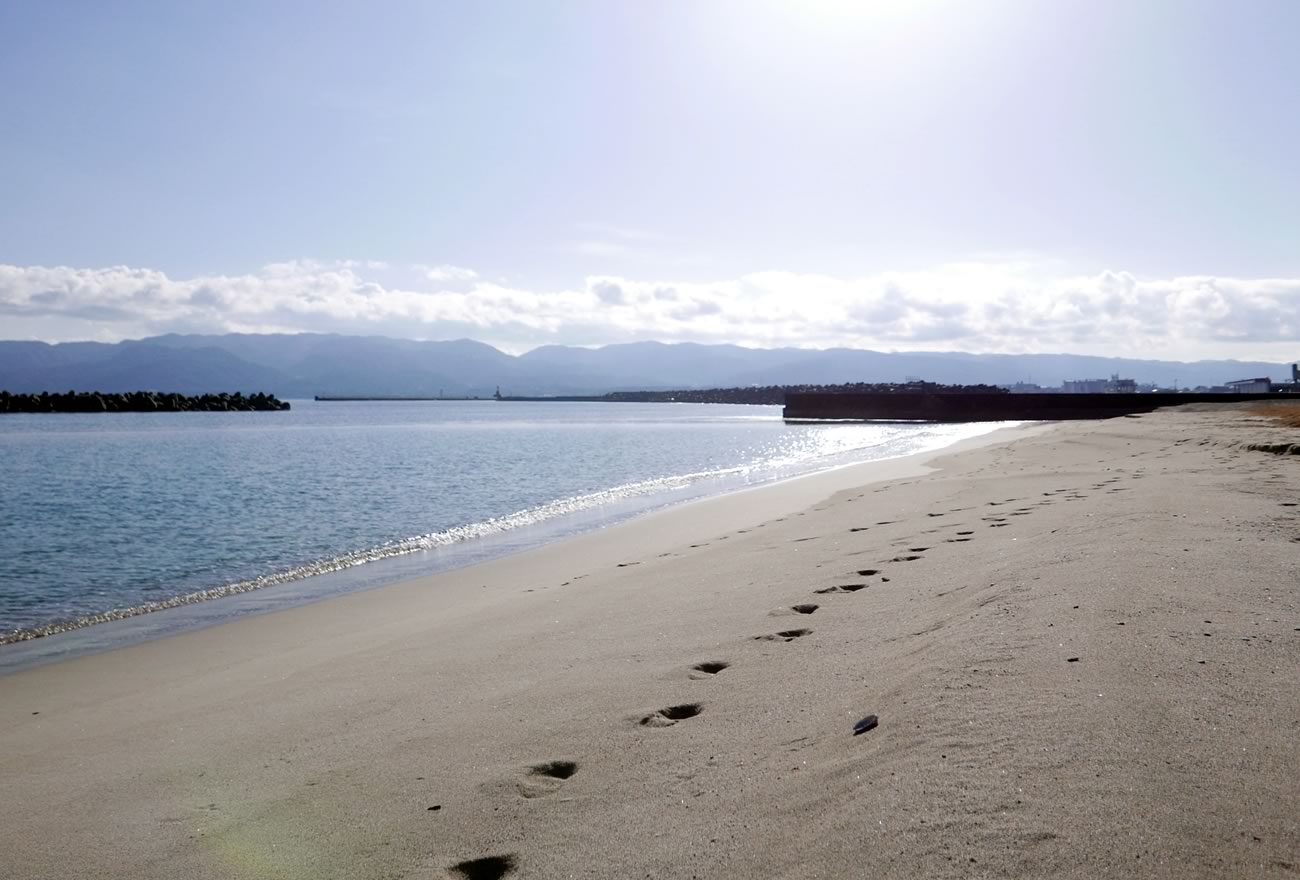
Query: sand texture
1082, 646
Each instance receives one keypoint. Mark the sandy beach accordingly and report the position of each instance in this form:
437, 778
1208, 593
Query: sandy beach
1081, 642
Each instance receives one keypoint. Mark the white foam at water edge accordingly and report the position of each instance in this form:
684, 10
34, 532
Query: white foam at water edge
765, 471
431, 541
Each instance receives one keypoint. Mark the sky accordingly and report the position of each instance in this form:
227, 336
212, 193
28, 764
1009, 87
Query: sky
1099, 177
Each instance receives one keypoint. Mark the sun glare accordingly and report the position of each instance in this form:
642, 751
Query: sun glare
855, 11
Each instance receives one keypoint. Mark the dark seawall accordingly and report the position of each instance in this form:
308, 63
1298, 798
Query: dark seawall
941, 407
137, 402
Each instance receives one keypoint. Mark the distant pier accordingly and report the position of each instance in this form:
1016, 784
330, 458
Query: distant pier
503, 398
342, 399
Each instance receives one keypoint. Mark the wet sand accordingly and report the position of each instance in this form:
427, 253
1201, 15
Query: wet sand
1082, 645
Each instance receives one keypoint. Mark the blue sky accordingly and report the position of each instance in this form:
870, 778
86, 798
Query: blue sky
980, 165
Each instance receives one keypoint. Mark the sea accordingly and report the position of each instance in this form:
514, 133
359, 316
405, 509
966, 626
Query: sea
120, 527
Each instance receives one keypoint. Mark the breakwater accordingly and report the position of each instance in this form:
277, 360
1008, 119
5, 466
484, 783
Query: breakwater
947, 407
754, 395
138, 401
778, 394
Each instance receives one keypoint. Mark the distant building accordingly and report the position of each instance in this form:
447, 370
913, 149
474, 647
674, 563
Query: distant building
1085, 386
1292, 387
1113, 385
1261, 385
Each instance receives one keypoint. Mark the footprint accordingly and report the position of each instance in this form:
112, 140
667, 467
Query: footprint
486, 868
805, 608
958, 540
544, 779
998, 525
917, 549
626, 564
670, 716
708, 668
965, 533
860, 529
841, 588
867, 572
785, 635
905, 558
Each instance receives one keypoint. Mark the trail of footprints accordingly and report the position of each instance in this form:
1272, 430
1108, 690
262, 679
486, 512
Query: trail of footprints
785, 635
671, 715
488, 868
543, 779
708, 669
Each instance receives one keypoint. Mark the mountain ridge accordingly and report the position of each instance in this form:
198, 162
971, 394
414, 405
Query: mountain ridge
307, 364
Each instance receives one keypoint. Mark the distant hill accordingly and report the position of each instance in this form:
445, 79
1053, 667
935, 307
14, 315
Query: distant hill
302, 365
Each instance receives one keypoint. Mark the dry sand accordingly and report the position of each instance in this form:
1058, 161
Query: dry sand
1083, 646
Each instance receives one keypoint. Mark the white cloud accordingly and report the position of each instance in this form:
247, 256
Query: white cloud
1006, 307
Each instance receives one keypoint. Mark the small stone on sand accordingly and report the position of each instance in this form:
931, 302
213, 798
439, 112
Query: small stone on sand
865, 724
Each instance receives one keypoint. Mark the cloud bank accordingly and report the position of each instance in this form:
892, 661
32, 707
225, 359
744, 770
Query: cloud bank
981, 307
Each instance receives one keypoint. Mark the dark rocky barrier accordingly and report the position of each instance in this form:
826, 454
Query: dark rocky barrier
754, 394
991, 407
138, 401
779, 394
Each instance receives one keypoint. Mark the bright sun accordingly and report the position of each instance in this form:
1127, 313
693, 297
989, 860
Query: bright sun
856, 10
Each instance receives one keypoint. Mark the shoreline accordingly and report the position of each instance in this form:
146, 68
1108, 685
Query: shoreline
1082, 645
360, 571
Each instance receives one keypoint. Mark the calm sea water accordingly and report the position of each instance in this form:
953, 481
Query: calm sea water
106, 512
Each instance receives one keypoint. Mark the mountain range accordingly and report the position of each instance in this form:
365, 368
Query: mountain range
303, 365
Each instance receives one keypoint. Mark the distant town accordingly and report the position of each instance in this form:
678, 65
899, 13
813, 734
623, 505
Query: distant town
1117, 385
779, 394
